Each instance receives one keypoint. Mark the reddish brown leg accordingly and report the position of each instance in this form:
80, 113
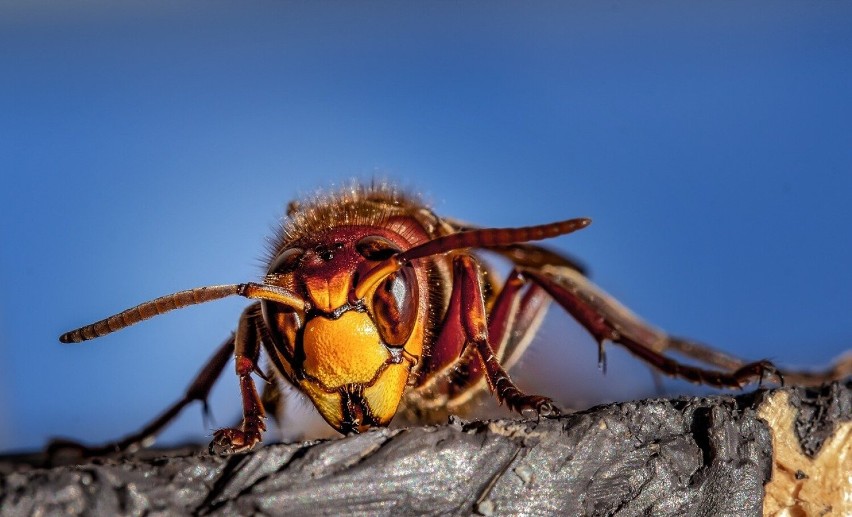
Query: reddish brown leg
475, 328
841, 369
246, 351
508, 313
198, 390
570, 275
607, 321
513, 320
703, 353
529, 314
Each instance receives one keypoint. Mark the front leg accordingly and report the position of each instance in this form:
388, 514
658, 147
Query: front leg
246, 352
474, 323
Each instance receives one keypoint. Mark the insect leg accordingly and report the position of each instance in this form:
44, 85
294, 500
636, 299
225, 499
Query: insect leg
606, 320
198, 390
475, 327
246, 352
841, 369
528, 317
530, 256
512, 323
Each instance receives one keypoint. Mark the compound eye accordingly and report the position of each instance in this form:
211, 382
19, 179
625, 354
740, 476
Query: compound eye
287, 261
395, 306
376, 248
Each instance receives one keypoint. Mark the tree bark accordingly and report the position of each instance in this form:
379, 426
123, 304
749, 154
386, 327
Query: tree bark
772, 451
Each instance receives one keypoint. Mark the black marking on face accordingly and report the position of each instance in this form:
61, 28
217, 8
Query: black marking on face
355, 410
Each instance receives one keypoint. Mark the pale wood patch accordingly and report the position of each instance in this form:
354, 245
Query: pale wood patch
804, 486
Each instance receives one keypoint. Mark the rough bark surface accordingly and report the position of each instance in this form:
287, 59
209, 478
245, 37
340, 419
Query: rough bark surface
688, 456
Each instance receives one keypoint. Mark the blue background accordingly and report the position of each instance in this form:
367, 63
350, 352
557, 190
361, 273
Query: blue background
150, 147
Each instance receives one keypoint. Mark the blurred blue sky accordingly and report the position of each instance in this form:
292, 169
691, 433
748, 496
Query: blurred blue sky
147, 147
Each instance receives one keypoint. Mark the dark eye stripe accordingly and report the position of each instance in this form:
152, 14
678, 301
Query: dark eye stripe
287, 261
376, 248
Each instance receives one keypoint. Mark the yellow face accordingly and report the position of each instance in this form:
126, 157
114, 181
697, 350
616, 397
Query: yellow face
353, 378
352, 357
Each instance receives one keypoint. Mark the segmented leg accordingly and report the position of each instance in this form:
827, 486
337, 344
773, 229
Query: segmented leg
841, 369
198, 390
452, 372
246, 352
532, 257
475, 327
530, 312
524, 254
512, 323
608, 321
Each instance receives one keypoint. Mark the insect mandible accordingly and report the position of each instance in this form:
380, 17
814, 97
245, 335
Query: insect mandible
373, 305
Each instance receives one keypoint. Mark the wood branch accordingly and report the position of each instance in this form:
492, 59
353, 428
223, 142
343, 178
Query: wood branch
784, 450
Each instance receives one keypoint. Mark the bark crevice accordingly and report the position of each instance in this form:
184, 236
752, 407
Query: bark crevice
698, 455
